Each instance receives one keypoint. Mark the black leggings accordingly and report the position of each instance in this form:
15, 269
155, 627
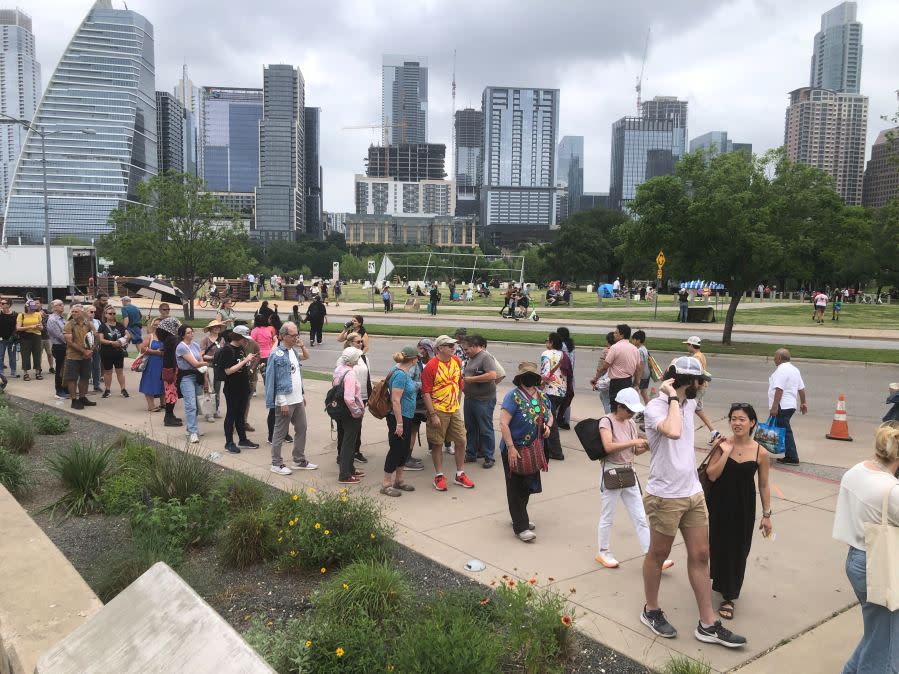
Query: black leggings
400, 447
315, 332
237, 401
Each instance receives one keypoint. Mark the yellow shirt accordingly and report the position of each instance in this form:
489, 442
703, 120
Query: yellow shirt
30, 323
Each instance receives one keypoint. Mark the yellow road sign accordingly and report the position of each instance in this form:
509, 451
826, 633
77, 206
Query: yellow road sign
660, 259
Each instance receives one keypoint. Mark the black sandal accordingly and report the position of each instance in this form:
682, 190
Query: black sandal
726, 609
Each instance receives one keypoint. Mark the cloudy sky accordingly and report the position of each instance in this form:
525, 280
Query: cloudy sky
733, 60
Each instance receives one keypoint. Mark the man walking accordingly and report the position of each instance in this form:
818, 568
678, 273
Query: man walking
623, 364
674, 501
284, 394
316, 316
479, 378
441, 388
56, 326
81, 338
131, 319
785, 385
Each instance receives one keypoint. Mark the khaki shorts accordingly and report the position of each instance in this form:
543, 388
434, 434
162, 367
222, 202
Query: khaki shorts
667, 515
451, 428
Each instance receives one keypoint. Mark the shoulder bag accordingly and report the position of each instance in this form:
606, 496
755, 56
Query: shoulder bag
702, 472
532, 458
619, 477
882, 559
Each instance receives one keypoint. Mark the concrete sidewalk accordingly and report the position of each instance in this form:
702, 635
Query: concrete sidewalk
794, 583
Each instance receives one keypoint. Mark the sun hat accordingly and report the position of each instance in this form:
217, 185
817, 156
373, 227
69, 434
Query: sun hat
630, 399
524, 368
443, 340
695, 340
170, 325
687, 365
213, 324
241, 331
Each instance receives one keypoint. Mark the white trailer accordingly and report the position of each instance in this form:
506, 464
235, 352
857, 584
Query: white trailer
23, 269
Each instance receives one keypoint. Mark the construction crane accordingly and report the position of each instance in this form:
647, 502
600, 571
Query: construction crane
639, 86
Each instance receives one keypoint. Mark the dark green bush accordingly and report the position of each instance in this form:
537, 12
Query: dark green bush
193, 522
328, 646
242, 492
81, 468
14, 472
180, 474
16, 435
373, 589
121, 491
249, 538
134, 453
47, 423
121, 568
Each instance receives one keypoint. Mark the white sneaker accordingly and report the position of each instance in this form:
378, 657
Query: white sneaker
194, 438
305, 465
281, 470
527, 536
209, 419
607, 559
667, 564
450, 450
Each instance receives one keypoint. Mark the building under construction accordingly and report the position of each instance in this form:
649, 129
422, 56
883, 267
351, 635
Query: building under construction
407, 163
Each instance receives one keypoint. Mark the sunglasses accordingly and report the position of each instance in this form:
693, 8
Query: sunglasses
740, 406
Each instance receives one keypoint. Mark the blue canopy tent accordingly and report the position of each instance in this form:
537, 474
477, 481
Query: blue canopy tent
605, 291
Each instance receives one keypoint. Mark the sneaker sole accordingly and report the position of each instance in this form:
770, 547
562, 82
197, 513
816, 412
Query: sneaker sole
438, 488
303, 468
415, 467
278, 472
464, 486
606, 564
709, 639
646, 622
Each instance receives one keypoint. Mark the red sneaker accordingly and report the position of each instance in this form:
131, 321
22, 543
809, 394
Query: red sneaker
463, 481
440, 483
352, 479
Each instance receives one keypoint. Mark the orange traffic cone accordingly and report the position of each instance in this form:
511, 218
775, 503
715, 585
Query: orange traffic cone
839, 429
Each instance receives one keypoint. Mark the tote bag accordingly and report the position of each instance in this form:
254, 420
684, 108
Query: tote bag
882, 565
771, 436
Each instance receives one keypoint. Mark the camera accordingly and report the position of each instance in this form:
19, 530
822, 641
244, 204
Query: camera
348, 325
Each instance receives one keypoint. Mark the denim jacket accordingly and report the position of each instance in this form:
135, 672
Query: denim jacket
277, 375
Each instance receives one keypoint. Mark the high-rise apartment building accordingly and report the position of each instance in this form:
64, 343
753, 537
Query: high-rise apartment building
837, 53
647, 146
281, 192
170, 122
882, 174
404, 99
407, 163
101, 104
714, 143
520, 131
20, 89
228, 138
312, 162
388, 196
827, 129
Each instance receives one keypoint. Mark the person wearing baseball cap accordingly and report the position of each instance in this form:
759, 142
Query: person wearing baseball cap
234, 365
441, 388
694, 348
675, 501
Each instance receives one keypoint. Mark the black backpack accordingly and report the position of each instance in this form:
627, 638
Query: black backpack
335, 405
587, 432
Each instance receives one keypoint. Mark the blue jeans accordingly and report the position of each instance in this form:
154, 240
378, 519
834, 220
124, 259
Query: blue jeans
604, 399
191, 390
878, 651
682, 314
7, 347
783, 420
478, 416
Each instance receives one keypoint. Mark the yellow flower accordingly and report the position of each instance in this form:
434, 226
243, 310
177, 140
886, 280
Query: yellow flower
327, 533
318, 525
346, 587
312, 490
343, 490
308, 644
323, 570
281, 532
389, 667
295, 497
339, 652
343, 499
293, 553
292, 522
280, 539
372, 536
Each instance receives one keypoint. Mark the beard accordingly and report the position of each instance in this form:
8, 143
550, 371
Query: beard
691, 392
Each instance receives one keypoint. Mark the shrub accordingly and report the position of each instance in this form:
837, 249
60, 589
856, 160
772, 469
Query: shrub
46, 423
318, 530
118, 570
180, 474
370, 589
178, 525
683, 665
81, 468
242, 492
274, 644
445, 640
14, 473
248, 539
538, 624
322, 645
121, 491
134, 453
15, 435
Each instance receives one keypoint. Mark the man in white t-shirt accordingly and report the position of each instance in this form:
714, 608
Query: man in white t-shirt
675, 501
785, 385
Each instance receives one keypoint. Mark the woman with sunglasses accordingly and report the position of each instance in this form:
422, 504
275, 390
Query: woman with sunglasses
114, 339
730, 500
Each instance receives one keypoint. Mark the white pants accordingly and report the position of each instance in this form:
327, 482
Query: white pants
633, 501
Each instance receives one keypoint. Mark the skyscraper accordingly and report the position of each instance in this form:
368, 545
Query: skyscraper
228, 138
170, 118
404, 99
312, 161
882, 174
281, 194
647, 146
104, 84
520, 130
570, 172
714, 143
189, 97
469, 157
837, 53
20, 89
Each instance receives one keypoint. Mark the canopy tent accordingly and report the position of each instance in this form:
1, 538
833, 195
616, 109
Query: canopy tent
605, 290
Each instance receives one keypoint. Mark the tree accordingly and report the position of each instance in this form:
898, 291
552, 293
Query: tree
176, 229
885, 244
585, 246
735, 221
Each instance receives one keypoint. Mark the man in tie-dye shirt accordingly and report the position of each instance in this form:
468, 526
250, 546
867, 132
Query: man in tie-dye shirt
441, 388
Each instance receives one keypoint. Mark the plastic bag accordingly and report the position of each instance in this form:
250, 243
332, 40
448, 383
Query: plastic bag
771, 436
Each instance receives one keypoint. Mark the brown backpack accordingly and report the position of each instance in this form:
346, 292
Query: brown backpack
379, 403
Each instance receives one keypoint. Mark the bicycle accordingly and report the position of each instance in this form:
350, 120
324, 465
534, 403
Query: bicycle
212, 301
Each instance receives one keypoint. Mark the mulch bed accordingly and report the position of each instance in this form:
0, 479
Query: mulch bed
238, 595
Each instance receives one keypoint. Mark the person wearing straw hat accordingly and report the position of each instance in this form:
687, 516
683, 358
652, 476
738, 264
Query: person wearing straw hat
525, 420
210, 344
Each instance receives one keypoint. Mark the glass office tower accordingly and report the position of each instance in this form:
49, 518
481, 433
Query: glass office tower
104, 84
837, 53
404, 99
228, 143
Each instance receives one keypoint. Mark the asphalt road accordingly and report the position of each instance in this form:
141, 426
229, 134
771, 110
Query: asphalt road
735, 378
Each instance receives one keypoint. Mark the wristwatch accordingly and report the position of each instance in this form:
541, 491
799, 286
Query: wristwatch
766, 514
672, 398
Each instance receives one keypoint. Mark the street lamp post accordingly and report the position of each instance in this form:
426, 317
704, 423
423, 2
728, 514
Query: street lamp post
43, 136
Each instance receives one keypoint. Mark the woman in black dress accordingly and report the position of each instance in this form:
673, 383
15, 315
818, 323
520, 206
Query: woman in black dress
731, 503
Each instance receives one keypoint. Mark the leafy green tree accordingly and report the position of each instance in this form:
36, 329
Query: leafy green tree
885, 244
585, 246
176, 229
735, 221
536, 269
